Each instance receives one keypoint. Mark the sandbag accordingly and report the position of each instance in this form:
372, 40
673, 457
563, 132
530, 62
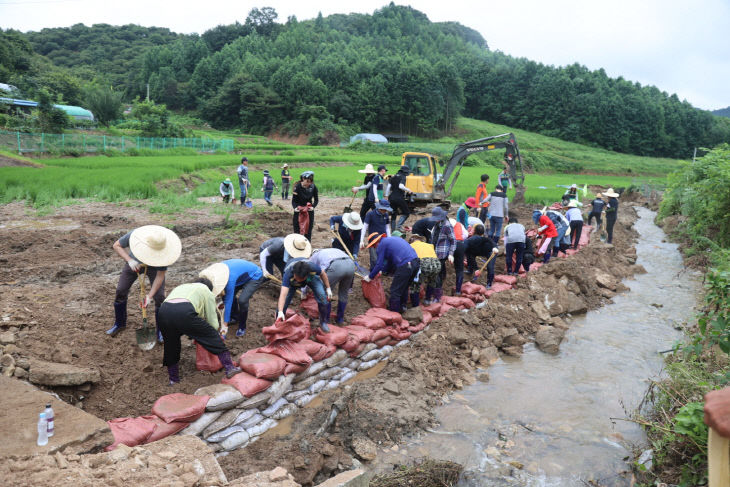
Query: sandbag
284, 412
368, 365
372, 355
336, 359
399, 334
304, 400
303, 218
348, 376
262, 427
445, 307
221, 397
367, 321
130, 431
326, 352
247, 384
380, 334
224, 421
351, 343
252, 421
390, 317
427, 317
225, 433
473, 288
206, 361
374, 292
317, 387
309, 306
358, 350
255, 401
433, 308
163, 429
511, 280
311, 347
335, 337
269, 411
364, 334
280, 387
294, 395
355, 363
368, 348
295, 329
417, 328
329, 373
386, 350
313, 369
290, 351
498, 287
294, 368
236, 440
197, 426
180, 407
383, 341
262, 365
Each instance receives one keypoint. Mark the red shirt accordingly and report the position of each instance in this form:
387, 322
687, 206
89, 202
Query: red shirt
550, 230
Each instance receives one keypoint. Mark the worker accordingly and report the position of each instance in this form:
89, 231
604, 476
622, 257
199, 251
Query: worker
243, 181
547, 230
442, 238
231, 278
481, 198
424, 227
575, 219
611, 213
272, 253
528, 256
514, 245
570, 195
562, 226
304, 197
190, 310
340, 271
597, 206
460, 235
429, 271
377, 221
373, 184
462, 213
479, 245
504, 179
349, 228
301, 273
285, 181
268, 186
226, 190
148, 250
396, 256
498, 212
397, 197
717, 411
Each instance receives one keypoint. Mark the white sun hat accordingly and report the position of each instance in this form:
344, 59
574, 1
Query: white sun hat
368, 169
297, 245
217, 274
155, 246
352, 221
610, 193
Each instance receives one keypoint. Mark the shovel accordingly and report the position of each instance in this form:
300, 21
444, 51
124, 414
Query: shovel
484, 266
359, 268
146, 336
604, 234
348, 208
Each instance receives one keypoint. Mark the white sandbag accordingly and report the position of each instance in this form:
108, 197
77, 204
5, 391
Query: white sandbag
285, 411
336, 358
354, 364
313, 369
385, 351
332, 384
300, 386
269, 411
372, 355
348, 376
197, 426
368, 348
245, 415
294, 395
262, 427
215, 447
222, 397
224, 421
367, 365
404, 342
317, 387
255, 401
252, 421
328, 373
346, 363
236, 440
304, 400
281, 386
225, 433
340, 374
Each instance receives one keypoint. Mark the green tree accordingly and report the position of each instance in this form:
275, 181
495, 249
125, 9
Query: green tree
104, 103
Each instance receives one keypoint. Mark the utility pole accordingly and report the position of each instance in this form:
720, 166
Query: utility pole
148, 92
694, 156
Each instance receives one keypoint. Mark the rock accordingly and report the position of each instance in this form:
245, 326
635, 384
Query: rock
54, 374
392, 387
62, 355
413, 315
23, 363
515, 351
483, 377
540, 310
488, 356
548, 339
457, 337
364, 449
513, 339
351, 478
8, 363
278, 474
119, 454
575, 304
559, 323
61, 461
7, 337
20, 373
475, 354
605, 280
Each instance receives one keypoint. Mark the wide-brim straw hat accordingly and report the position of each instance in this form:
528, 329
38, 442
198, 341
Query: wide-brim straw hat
218, 274
573, 204
352, 221
611, 194
368, 169
155, 246
285, 166
297, 245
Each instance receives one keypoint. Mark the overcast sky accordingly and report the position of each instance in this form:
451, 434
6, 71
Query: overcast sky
681, 47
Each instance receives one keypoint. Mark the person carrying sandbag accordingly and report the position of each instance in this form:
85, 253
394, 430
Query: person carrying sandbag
396, 256
304, 198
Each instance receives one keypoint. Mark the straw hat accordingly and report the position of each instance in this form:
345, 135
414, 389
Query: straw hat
611, 194
368, 169
573, 204
352, 221
297, 246
217, 274
155, 246
374, 238
285, 166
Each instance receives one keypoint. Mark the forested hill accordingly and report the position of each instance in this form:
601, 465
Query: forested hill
392, 71
723, 112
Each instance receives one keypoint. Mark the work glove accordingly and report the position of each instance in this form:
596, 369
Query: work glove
495, 250
146, 301
329, 294
267, 275
296, 210
332, 227
477, 273
366, 279
451, 259
135, 265
354, 189
280, 316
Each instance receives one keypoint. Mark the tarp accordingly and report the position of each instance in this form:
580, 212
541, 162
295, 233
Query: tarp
374, 138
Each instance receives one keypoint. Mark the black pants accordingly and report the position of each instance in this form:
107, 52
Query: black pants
295, 224
367, 205
178, 319
402, 278
576, 228
610, 222
127, 278
514, 248
596, 215
240, 304
400, 207
459, 254
275, 261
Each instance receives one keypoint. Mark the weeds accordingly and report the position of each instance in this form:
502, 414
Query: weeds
428, 473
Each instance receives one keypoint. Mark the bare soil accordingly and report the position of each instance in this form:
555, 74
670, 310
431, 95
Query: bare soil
58, 276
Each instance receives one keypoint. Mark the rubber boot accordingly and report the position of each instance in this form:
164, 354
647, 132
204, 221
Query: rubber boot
429, 296
120, 318
225, 358
324, 316
157, 325
437, 294
173, 372
394, 305
459, 282
340, 318
415, 299
242, 318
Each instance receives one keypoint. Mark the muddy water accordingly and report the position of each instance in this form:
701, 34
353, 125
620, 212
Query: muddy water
545, 420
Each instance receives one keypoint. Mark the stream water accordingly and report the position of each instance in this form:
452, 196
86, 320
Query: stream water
546, 420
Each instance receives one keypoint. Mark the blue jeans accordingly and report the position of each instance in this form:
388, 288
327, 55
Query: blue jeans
244, 192
316, 286
495, 227
510, 250
559, 239
267, 195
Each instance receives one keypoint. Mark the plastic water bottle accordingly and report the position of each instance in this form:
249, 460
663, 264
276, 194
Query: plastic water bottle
42, 430
49, 418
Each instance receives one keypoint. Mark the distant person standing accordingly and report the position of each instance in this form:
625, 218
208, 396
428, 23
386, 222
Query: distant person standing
611, 213
268, 187
514, 245
481, 197
498, 212
597, 206
575, 217
285, 181
374, 186
304, 197
504, 179
243, 182
227, 191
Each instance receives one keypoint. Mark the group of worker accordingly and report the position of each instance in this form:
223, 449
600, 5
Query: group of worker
268, 185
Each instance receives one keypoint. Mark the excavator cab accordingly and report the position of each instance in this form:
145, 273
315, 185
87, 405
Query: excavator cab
424, 174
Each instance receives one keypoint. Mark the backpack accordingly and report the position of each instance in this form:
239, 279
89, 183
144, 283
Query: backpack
268, 183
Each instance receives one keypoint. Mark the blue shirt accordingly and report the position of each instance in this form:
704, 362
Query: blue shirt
377, 222
392, 252
239, 273
290, 282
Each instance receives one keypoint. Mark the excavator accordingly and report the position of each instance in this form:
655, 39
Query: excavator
429, 185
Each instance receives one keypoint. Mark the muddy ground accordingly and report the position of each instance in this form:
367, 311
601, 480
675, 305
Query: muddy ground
58, 274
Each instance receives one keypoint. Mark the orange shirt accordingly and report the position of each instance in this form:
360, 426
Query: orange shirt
482, 194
